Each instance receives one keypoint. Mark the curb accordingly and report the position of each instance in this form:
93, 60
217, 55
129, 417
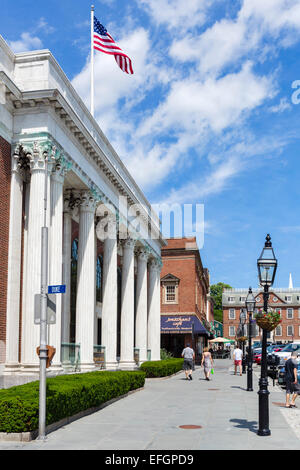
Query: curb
32, 435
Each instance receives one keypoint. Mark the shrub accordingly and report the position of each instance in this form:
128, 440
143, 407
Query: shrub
162, 368
165, 355
66, 395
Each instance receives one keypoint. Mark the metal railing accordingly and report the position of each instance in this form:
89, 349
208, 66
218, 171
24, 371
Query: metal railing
99, 356
70, 356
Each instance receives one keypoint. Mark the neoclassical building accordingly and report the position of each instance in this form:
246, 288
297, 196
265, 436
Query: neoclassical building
104, 241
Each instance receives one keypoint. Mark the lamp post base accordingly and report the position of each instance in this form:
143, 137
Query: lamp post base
264, 432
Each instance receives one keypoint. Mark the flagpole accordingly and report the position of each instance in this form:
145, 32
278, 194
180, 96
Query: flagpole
92, 60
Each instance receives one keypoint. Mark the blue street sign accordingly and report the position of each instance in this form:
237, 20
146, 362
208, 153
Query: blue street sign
57, 289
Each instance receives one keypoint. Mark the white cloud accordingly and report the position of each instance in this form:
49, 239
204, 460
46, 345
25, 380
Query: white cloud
283, 105
26, 43
217, 103
229, 40
177, 13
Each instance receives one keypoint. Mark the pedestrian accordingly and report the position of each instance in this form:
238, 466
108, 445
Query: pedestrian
208, 362
291, 380
237, 357
188, 355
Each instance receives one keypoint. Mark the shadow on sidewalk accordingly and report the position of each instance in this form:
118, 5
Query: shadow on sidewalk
237, 386
245, 424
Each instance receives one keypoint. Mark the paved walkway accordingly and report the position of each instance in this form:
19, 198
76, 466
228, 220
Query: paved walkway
149, 419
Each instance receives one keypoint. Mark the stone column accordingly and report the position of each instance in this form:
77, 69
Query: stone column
66, 274
14, 264
141, 305
56, 256
85, 302
127, 306
110, 290
31, 331
154, 310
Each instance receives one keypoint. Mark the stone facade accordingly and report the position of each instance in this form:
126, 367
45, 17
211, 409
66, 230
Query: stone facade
51, 145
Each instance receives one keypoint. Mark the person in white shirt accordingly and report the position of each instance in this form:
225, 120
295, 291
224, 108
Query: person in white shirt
237, 357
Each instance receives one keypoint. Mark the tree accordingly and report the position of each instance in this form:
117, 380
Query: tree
216, 291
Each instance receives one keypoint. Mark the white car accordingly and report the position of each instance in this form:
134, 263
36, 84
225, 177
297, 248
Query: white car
286, 352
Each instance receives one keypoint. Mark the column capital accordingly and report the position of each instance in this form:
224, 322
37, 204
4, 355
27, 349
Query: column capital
38, 155
143, 254
128, 244
71, 200
155, 265
20, 162
87, 201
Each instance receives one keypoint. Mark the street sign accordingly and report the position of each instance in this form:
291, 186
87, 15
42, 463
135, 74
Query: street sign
57, 289
51, 309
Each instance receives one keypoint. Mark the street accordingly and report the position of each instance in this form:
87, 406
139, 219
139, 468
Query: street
223, 416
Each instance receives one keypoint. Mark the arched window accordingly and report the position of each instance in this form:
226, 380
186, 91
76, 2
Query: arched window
99, 266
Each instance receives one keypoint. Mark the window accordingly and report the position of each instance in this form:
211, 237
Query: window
99, 279
288, 298
170, 293
231, 314
242, 299
278, 330
231, 299
290, 330
289, 313
232, 331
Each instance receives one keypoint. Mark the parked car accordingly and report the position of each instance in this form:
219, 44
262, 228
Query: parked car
286, 352
281, 375
257, 359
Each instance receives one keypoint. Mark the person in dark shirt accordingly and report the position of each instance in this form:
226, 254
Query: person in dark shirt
291, 379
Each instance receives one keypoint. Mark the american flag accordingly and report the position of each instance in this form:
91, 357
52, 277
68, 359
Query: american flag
104, 42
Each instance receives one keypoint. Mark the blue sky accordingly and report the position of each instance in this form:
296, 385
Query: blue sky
207, 118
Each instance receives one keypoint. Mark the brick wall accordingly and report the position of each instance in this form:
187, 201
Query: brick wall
5, 175
182, 267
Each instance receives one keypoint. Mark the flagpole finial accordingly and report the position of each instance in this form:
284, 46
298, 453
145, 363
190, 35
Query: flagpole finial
92, 7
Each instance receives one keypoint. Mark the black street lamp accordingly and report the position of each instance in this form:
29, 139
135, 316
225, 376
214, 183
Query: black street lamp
267, 265
243, 318
250, 306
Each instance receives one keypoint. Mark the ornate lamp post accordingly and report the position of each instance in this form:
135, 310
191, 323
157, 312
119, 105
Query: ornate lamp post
250, 306
267, 265
243, 318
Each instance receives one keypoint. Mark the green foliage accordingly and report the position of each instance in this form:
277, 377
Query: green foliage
162, 368
66, 396
218, 315
216, 291
165, 355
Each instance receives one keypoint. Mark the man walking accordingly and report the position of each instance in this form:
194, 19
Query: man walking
237, 357
291, 379
188, 355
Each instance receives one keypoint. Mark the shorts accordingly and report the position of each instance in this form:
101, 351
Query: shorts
292, 388
238, 363
188, 364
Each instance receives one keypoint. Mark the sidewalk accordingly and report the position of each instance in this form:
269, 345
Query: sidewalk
150, 419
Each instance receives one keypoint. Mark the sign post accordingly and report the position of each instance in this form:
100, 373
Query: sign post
43, 352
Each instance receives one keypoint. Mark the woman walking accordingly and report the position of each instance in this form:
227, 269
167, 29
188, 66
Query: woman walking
208, 362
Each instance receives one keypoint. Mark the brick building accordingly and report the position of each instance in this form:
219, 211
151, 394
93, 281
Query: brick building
186, 308
286, 301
